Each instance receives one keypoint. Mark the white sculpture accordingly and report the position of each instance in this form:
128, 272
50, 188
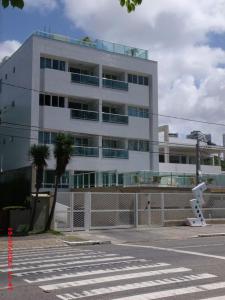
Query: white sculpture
196, 205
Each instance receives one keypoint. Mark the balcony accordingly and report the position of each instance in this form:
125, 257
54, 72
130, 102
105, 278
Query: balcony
85, 151
115, 84
114, 118
84, 79
115, 153
84, 114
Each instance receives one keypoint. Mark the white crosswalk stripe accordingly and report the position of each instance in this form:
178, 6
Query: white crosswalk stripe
131, 286
105, 275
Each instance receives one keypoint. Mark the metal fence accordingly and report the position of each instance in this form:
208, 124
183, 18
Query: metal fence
86, 211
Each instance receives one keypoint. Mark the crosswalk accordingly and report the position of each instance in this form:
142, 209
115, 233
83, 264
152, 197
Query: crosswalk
72, 273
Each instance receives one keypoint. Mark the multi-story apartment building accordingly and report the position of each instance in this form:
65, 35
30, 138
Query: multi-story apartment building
103, 93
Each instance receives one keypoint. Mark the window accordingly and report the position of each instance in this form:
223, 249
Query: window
46, 137
161, 158
62, 65
41, 99
140, 112
6, 76
138, 79
174, 159
14, 69
55, 64
109, 144
81, 142
138, 145
54, 101
48, 100
40, 137
145, 80
48, 63
52, 64
61, 102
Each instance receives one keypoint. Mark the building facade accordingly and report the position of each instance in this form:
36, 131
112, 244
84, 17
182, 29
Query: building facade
105, 94
178, 155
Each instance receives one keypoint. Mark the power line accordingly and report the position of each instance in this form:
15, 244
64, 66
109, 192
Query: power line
160, 115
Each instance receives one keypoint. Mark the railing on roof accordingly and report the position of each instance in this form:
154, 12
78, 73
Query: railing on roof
98, 44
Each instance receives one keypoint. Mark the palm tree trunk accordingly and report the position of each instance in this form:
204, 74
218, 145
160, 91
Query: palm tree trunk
48, 225
31, 227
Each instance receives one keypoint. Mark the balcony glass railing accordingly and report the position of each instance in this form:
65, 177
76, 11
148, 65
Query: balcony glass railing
97, 44
85, 151
84, 114
84, 79
115, 84
115, 153
114, 118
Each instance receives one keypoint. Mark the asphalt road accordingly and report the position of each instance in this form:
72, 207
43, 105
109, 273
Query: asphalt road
193, 268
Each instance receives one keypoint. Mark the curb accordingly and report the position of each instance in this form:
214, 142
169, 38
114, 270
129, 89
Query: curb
85, 243
211, 234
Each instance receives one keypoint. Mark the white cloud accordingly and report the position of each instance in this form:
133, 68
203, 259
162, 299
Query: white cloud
41, 5
175, 32
7, 48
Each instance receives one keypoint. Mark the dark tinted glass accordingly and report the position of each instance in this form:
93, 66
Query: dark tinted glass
47, 100
61, 102
41, 99
54, 101
55, 64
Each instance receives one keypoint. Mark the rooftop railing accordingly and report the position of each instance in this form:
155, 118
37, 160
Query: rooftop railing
115, 153
97, 44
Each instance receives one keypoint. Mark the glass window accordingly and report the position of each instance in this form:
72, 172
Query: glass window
161, 158
55, 101
46, 137
47, 100
62, 65
140, 113
145, 113
174, 159
130, 78
49, 176
53, 137
133, 145
135, 78
48, 62
145, 80
40, 137
183, 159
14, 69
41, 99
42, 62
61, 102
140, 80
55, 64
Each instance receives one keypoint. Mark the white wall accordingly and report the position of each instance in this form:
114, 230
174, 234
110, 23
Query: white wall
187, 168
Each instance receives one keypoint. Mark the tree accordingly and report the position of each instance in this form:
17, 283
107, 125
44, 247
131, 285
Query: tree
130, 4
13, 3
39, 154
63, 150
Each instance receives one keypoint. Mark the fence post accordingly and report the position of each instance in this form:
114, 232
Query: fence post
87, 211
136, 210
162, 209
71, 211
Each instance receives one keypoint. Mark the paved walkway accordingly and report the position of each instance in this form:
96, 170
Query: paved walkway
132, 235
29, 242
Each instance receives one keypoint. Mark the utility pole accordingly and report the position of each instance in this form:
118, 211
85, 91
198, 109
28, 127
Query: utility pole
198, 160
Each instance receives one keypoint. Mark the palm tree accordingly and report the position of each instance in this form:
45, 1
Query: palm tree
39, 154
63, 150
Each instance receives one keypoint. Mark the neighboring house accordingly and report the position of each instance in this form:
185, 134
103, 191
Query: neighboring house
105, 94
178, 155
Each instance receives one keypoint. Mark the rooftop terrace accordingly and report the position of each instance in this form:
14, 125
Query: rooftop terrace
97, 44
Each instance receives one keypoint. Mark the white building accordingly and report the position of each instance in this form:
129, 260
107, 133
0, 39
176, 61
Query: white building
103, 93
178, 155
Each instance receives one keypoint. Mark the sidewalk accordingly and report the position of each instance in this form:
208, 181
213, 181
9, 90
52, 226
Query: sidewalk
132, 235
33, 241
135, 235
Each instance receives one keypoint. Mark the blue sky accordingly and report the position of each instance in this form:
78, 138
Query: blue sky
186, 37
18, 25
